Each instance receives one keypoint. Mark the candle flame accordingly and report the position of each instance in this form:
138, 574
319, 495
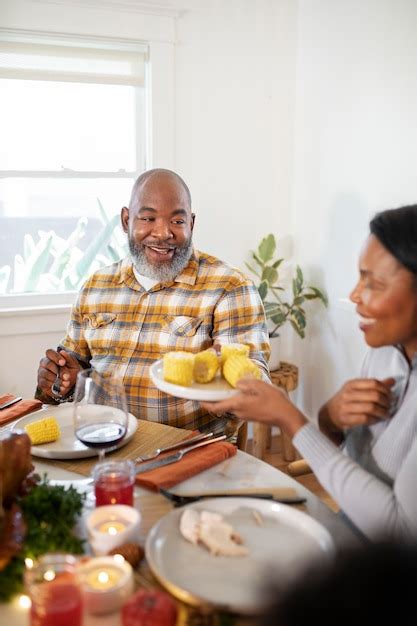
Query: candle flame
25, 602
103, 577
49, 575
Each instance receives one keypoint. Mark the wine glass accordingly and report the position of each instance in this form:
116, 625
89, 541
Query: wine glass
100, 410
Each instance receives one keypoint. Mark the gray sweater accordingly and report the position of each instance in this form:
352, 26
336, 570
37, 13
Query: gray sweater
373, 476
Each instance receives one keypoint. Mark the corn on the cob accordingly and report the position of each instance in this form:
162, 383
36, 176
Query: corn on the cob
178, 368
238, 366
206, 364
228, 349
43, 431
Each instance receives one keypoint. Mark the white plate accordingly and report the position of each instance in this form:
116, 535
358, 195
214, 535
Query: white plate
218, 389
285, 542
67, 446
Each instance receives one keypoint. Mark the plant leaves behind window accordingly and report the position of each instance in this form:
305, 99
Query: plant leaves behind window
4, 277
298, 282
257, 259
270, 275
299, 317
37, 262
251, 269
277, 263
298, 330
279, 318
266, 249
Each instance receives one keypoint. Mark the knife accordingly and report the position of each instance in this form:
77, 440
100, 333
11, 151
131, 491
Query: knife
173, 458
9, 403
285, 495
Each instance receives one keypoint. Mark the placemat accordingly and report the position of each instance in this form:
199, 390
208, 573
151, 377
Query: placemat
148, 436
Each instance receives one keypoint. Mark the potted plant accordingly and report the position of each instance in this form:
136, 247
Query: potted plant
279, 309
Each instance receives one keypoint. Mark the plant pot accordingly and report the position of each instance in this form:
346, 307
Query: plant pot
274, 359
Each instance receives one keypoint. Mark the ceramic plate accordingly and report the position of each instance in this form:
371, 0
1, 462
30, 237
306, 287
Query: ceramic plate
218, 389
283, 542
67, 446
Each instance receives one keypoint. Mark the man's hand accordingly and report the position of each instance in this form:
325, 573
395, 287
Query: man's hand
52, 363
359, 401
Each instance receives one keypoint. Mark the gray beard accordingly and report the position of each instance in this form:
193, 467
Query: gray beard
163, 272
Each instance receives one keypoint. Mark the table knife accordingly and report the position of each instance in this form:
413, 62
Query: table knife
285, 495
9, 403
173, 458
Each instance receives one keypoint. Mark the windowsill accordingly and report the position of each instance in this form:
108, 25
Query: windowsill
29, 311
35, 303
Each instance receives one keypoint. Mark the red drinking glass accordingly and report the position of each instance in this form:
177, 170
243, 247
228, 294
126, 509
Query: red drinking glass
114, 482
55, 592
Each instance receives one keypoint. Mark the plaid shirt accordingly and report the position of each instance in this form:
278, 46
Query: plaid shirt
116, 323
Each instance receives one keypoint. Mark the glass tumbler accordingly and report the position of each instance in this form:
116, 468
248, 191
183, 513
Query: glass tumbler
53, 587
114, 482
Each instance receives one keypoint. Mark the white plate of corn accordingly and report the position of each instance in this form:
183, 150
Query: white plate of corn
206, 376
53, 435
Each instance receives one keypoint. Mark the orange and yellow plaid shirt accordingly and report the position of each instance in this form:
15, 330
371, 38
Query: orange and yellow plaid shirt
116, 323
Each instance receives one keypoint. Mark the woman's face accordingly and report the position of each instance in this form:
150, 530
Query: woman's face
386, 299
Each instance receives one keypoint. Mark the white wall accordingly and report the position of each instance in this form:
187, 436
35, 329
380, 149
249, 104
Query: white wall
355, 154
229, 128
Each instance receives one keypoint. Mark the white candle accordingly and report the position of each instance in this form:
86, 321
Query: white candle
110, 526
107, 582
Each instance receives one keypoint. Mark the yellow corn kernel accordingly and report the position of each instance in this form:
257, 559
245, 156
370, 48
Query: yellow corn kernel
238, 366
43, 431
206, 364
178, 368
228, 349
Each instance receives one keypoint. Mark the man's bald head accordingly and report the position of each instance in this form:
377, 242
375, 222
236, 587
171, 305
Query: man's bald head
154, 175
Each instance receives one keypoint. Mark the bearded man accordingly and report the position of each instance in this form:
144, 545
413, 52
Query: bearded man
164, 296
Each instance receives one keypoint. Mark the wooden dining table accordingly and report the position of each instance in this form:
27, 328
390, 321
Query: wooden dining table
240, 471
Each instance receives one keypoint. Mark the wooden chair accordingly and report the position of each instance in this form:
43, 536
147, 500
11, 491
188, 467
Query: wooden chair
286, 377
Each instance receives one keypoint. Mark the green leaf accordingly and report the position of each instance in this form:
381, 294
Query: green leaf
257, 259
263, 289
28, 246
95, 246
279, 319
298, 330
277, 263
298, 300
317, 293
38, 261
270, 275
252, 269
299, 317
4, 277
266, 249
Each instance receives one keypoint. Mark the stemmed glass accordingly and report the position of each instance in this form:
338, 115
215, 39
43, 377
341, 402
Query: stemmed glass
100, 410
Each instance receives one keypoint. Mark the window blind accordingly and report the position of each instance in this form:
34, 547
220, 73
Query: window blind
72, 63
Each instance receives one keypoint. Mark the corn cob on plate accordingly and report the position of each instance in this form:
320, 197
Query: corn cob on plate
217, 389
67, 446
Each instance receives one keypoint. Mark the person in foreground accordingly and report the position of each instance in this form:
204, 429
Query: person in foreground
371, 584
164, 296
366, 453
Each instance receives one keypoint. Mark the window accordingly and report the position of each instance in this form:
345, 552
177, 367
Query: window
74, 135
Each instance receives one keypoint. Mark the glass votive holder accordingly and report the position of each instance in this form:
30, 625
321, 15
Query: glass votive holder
53, 586
111, 526
107, 582
114, 482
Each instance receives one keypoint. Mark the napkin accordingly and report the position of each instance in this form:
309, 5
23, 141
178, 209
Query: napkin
17, 410
191, 464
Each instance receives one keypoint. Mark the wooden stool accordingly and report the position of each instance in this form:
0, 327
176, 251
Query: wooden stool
286, 377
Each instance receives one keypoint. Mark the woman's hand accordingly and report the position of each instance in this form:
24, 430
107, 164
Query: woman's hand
359, 401
260, 402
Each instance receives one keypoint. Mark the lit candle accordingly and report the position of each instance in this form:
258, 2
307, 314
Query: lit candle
112, 527
104, 578
107, 582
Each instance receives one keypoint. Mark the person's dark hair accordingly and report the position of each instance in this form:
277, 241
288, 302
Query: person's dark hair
148, 174
396, 229
373, 584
